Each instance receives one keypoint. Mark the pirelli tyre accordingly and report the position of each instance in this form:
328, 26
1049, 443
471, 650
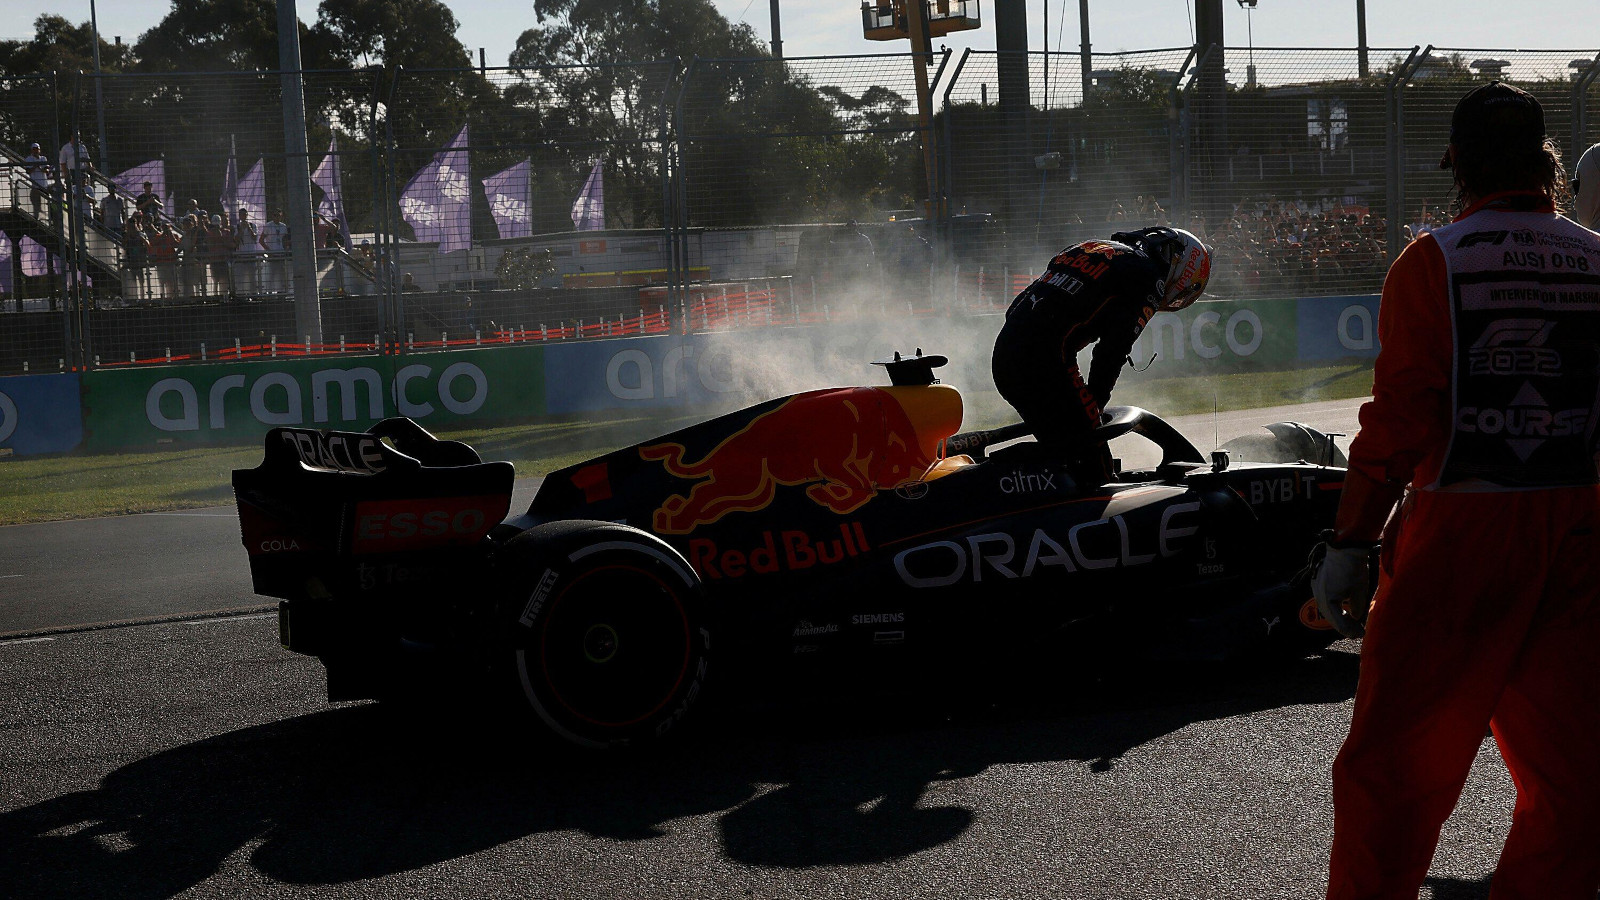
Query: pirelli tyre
1296, 629
609, 640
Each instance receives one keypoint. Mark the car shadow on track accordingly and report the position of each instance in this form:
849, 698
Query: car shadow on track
359, 792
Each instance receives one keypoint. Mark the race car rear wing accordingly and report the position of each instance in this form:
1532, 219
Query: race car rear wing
325, 508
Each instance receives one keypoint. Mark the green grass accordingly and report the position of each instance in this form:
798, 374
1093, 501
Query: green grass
83, 485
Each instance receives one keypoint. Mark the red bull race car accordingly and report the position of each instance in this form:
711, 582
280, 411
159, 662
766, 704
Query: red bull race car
825, 529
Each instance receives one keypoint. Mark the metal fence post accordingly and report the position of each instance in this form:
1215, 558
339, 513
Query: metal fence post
1178, 136
386, 264
72, 294
945, 230
666, 131
1394, 147
678, 278
395, 298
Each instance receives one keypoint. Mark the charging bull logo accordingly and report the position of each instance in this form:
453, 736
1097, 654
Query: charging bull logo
845, 444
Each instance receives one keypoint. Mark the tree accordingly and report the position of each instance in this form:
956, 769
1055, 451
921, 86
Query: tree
36, 79
212, 36
417, 34
60, 46
1130, 89
600, 76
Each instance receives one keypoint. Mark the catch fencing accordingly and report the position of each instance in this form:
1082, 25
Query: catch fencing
486, 206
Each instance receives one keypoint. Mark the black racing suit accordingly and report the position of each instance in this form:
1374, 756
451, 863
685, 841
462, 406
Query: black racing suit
1096, 291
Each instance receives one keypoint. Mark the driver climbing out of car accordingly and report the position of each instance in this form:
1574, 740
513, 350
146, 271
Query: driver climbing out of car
1100, 292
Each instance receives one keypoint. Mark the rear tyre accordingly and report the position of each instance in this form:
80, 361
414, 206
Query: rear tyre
609, 641
1300, 629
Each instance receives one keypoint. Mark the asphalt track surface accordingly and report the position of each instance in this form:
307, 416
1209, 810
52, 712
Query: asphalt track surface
196, 758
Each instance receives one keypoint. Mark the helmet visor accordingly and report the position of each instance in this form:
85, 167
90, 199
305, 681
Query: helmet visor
1183, 298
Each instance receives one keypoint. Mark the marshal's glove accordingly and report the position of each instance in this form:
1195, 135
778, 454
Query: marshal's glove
1341, 580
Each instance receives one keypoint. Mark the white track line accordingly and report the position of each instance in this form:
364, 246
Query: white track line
26, 641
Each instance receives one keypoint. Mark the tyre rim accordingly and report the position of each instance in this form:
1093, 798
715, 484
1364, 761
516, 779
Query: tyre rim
615, 646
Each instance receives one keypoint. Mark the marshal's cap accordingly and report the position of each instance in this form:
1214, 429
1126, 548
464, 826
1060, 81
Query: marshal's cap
1497, 118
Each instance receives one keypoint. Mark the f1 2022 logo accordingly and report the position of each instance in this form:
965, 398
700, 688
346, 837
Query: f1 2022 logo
1495, 238
1514, 347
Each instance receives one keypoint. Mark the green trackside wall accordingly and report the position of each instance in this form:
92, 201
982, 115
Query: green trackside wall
236, 403
209, 404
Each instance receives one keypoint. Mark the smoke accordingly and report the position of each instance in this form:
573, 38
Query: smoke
1176, 369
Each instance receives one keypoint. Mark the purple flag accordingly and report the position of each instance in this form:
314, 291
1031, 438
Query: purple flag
252, 194
589, 210
35, 259
155, 172
437, 203
229, 201
5, 263
509, 196
328, 177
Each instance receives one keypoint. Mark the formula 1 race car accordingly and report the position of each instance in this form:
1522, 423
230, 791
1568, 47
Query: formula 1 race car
821, 529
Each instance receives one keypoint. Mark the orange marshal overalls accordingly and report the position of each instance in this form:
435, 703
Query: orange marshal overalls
1486, 615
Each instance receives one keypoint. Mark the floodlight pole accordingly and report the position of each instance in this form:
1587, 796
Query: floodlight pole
1361, 39
921, 52
1083, 32
777, 33
302, 252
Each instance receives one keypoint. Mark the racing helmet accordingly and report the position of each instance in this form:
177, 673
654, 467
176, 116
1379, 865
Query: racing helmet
1586, 189
1188, 262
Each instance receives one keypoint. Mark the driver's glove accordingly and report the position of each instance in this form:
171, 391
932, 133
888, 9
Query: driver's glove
1341, 580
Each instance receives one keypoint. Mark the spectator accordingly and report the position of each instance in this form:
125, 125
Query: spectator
136, 256
409, 284
246, 256
111, 213
149, 204
340, 239
164, 258
37, 165
325, 233
83, 198
218, 254
75, 155
1279, 245
195, 248
275, 243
